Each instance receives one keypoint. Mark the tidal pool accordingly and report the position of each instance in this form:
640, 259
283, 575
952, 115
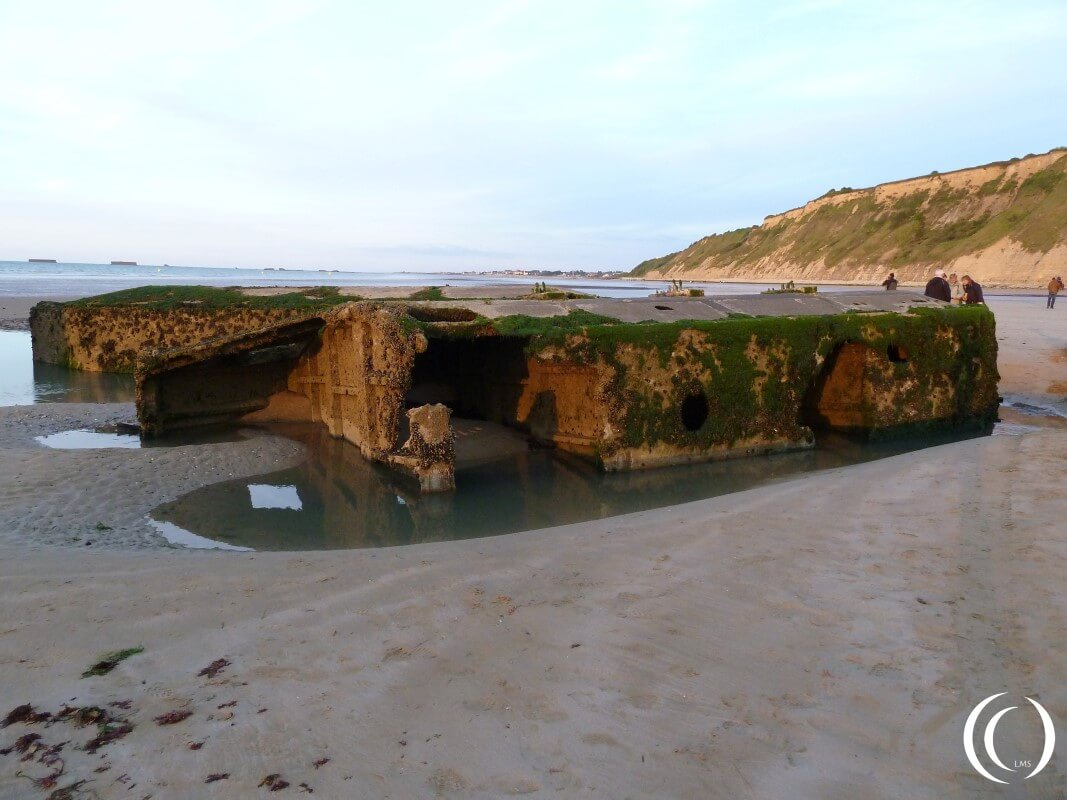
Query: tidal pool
338, 500
25, 382
125, 437
84, 439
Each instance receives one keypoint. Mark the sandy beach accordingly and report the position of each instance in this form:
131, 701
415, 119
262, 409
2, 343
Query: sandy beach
15, 311
823, 637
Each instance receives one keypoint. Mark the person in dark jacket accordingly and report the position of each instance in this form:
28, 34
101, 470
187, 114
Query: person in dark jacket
1055, 286
890, 283
937, 287
972, 291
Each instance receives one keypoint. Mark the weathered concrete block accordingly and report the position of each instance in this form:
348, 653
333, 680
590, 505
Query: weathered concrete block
740, 376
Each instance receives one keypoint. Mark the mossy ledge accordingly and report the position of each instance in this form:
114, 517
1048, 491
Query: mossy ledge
211, 298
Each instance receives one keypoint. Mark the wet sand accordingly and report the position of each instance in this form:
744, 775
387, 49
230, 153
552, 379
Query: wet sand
824, 637
15, 311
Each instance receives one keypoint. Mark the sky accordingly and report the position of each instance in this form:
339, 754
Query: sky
554, 134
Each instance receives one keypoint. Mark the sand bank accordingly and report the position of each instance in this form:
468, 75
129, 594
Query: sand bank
15, 311
824, 637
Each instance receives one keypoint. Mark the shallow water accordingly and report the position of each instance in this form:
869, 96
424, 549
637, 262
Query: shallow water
1033, 407
24, 382
112, 436
337, 500
83, 439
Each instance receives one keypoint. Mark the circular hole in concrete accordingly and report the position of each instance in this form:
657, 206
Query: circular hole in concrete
695, 410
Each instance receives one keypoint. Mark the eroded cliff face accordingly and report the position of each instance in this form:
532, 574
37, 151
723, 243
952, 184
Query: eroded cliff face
1004, 224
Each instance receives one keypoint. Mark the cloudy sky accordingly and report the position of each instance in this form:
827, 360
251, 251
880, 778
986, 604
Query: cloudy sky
474, 135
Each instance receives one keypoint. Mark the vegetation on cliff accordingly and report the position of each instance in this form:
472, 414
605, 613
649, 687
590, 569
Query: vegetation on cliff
910, 226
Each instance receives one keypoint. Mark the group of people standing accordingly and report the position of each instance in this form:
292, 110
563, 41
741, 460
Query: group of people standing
963, 290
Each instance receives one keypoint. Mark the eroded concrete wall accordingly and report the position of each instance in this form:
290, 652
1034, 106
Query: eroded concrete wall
357, 374
764, 391
220, 380
110, 339
627, 396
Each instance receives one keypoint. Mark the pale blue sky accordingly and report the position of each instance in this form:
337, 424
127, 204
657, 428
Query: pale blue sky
474, 135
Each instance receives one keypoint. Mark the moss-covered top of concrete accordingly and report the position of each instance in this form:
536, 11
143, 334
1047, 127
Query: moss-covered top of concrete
502, 302
545, 321
310, 299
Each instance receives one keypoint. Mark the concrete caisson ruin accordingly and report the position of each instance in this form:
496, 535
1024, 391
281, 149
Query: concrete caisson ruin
629, 384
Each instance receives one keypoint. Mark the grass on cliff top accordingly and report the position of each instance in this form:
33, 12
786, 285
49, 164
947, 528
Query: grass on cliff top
922, 227
211, 298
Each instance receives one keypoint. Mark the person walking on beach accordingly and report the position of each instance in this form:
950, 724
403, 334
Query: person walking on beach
937, 287
1055, 286
890, 283
972, 291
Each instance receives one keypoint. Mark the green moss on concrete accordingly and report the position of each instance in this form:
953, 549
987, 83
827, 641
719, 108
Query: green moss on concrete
550, 329
210, 298
748, 401
429, 293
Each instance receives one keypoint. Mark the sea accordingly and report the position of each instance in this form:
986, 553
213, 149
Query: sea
68, 280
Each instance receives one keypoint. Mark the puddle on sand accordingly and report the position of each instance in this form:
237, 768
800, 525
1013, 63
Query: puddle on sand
338, 500
1049, 408
175, 535
24, 382
81, 439
1021, 414
110, 436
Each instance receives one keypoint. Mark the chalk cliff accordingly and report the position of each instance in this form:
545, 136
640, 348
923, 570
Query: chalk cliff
1003, 223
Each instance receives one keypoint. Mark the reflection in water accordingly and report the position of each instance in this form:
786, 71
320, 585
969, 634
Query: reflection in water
110, 436
264, 495
54, 384
346, 502
175, 535
86, 439
24, 382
